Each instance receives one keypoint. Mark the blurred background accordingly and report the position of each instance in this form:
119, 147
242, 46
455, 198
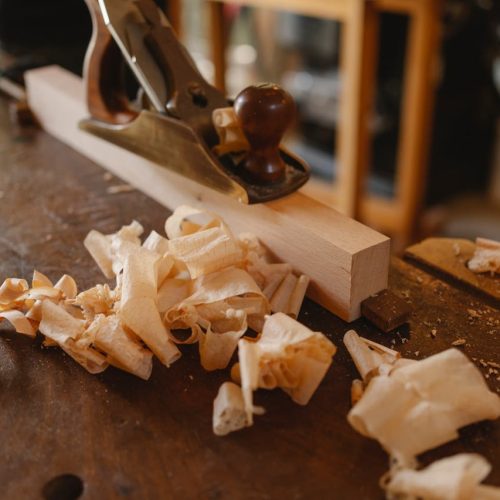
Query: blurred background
398, 100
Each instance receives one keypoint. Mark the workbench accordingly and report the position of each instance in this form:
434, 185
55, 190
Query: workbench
127, 438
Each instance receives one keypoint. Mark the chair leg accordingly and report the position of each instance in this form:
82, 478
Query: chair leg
416, 114
218, 38
358, 64
371, 29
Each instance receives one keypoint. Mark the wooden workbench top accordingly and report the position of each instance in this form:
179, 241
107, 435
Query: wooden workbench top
126, 438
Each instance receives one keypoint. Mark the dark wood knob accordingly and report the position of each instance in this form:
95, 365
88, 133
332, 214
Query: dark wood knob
264, 112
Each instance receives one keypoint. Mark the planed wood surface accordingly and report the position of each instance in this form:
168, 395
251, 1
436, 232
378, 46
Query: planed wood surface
126, 438
296, 229
450, 256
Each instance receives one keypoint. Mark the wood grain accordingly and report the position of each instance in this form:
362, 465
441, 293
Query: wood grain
126, 438
450, 256
317, 240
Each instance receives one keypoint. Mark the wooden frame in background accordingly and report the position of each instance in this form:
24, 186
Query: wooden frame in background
359, 52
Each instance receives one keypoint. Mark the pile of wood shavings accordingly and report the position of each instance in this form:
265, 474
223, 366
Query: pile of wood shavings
410, 408
199, 279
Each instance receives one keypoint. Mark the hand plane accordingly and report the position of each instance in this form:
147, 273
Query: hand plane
173, 124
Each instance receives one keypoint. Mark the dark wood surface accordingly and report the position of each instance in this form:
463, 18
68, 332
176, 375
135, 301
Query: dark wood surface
126, 438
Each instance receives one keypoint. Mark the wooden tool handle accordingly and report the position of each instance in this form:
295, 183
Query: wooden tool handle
106, 98
264, 112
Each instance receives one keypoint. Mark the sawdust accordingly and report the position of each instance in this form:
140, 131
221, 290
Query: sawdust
120, 188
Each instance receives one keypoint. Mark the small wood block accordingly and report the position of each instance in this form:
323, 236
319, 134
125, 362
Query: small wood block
450, 256
345, 260
385, 310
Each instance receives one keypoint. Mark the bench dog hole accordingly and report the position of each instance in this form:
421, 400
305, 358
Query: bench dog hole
63, 487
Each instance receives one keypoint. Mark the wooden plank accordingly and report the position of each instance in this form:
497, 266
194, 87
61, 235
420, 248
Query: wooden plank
347, 261
450, 256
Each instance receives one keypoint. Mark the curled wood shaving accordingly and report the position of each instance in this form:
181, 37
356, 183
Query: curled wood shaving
211, 315
229, 413
20, 323
110, 250
284, 290
68, 286
65, 330
486, 257
369, 357
172, 292
410, 407
357, 389
99, 299
231, 137
453, 478
209, 248
123, 349
287, 355
21, 305
10, 292
138, 304
218, 343
40, 280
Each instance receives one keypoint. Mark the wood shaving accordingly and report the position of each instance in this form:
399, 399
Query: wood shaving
453, 478
458, 342
109, 251
369, 357
229, 413
20, 323
60, 326
357, 389
409, 407
486, 257
287, 355
207, 249
120, 188
124, 350
201, 278
231, 137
